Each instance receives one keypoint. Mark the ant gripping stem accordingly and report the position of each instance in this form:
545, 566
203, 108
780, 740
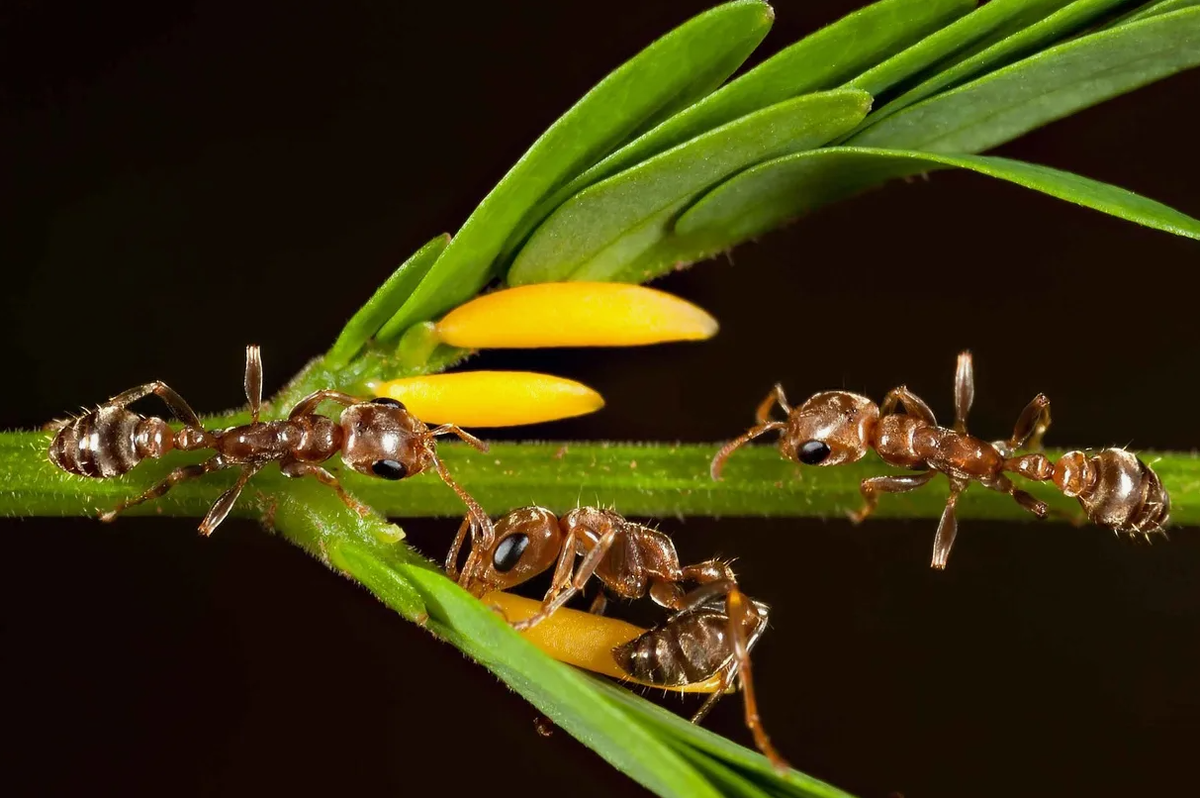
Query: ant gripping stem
378, 438
1114, 487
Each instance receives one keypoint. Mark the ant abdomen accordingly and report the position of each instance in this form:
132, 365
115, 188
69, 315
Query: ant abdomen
108, 441
1116, 489
687, 650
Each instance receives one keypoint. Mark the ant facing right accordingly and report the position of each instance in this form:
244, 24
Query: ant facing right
1114, 487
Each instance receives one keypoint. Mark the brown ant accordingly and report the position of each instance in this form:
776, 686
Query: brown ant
377, 437
714, 625
1115, 488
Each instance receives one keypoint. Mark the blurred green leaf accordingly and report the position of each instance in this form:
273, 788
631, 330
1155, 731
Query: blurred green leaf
1066, 21
386, 301
817, 62
1148, 10
1050, 85
770, 194
670, 74
582, 240
986, 24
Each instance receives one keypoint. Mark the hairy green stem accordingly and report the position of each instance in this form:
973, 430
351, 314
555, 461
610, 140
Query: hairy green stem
657, 480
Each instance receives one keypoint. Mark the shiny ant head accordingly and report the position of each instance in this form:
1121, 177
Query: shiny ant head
831, 428
527, 543
381, 438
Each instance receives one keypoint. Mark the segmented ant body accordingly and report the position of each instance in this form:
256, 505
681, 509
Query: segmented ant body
377, 437
1114, 487
714, 625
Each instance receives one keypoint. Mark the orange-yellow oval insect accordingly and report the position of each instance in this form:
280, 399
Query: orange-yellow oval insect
582, 639
491, 398
574, 314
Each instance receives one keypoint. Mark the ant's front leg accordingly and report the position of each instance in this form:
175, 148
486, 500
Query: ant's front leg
295, 469
465, 437
913, 405
896, 483
308, 405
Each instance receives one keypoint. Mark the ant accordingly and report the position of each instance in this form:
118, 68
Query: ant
377, 437
1114, 487
714, 625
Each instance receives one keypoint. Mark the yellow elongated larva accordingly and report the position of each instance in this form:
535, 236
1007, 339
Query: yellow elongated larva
491, 398
574, 314
581, 638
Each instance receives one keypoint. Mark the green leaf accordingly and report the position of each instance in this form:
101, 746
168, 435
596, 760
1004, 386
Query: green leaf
817, 62
1152, 10
386, 301
1066, 21
670, 74
583, 238
766, 196
991, 22
1050, 85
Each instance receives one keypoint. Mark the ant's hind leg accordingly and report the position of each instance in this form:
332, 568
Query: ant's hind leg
899, 483
181, 474
295, 469
738, 608
179, 407
1031, 424
224, 504
964, 390
253, 380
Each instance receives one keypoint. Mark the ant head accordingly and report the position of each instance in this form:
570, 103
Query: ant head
381, 438
831, 428
528, 542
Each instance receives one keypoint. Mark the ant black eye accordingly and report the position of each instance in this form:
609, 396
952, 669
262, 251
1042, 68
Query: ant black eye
509, 551
390, 469
384, 400
812, 452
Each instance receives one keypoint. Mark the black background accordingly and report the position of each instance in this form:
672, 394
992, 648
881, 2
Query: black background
178, 180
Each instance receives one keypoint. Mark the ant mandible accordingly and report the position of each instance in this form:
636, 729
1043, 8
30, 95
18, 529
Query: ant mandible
718, 621
1114, 487
377, 437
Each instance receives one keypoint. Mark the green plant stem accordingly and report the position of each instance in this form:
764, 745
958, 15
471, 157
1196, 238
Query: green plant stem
657, 480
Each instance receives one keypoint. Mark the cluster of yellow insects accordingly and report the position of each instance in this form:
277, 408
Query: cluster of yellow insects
711, 626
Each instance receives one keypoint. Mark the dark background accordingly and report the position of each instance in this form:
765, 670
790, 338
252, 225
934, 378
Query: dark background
178, 180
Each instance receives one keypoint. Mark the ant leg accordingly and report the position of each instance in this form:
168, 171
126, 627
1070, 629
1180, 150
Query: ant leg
253, 380
224, 504
964, 390
179, 407
726, 681
308, 404
483, 533
295, 469
599, 603
1003, 484
739, 609
947, 527
896, 483
455, 549
1031, 425
763, 414
453, 429
719, 459
585, 571
913, 405
181, 474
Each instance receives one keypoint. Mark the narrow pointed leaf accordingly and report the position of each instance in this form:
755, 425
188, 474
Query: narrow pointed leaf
581, 240
766, 196
386, 301
1148, 10
991, 22
1065, 22
1048, 86
817, 62
670, 74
